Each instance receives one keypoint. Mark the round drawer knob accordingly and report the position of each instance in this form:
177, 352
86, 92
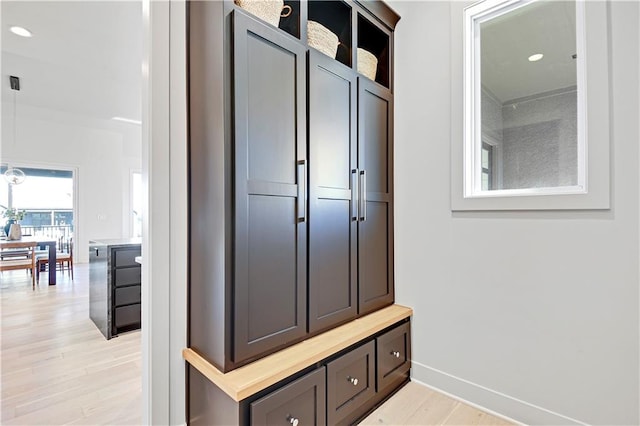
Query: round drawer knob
353, 380
396, 354
294, 421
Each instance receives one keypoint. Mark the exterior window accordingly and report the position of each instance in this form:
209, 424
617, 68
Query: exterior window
46, 196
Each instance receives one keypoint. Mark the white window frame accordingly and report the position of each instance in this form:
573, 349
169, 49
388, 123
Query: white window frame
592, 190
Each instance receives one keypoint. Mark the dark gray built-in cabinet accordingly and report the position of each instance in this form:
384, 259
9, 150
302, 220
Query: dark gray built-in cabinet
291, 191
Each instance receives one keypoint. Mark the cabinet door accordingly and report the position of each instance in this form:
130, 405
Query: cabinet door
125, 316
350, 383
128, 295
127, 276
123, 257
302, 402
375, 226
393, 352
269, 93
332, 216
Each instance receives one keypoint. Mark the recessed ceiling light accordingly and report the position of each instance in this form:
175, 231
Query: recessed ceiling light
22, 32
127, 120
535, 57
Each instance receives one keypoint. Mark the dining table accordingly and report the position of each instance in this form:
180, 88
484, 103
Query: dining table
50, 243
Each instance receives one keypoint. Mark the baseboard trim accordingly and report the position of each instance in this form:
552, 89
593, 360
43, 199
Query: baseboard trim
478, 396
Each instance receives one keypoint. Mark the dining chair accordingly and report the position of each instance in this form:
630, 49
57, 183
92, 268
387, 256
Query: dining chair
64, 258
13, 263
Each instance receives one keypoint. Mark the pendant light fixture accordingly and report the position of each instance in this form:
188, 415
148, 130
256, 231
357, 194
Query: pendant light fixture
12, 175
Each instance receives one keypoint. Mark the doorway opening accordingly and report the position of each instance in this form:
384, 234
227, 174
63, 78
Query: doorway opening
46, 200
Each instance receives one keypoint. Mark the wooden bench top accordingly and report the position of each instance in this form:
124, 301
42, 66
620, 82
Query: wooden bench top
252, 378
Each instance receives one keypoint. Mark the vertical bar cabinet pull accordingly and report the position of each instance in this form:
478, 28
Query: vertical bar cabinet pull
302, 191
363, 196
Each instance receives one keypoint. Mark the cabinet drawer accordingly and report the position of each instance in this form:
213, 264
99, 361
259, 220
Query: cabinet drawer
127, 315
127, 295
127, 276
125, 257
299, 403
350, 382
393, 354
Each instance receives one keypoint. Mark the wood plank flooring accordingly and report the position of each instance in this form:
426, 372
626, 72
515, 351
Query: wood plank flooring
57, 369
416, 404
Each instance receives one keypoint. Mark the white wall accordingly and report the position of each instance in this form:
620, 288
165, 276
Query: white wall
165, 243
103, 153
532, 314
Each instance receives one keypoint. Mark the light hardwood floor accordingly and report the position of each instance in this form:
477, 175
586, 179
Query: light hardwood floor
415, 404
57, 368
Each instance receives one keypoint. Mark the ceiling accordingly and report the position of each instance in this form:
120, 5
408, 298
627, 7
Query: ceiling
85, 57
547, 27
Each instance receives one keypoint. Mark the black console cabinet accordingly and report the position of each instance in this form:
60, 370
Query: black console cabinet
115, 285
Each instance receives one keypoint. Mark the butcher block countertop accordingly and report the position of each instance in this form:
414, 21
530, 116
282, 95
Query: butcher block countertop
252, 378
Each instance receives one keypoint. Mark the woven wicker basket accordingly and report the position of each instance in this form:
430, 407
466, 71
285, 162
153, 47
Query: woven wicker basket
267, 10
321, 38
367, 63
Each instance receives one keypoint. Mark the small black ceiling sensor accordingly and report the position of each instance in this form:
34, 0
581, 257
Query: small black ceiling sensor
15, 82
574, 56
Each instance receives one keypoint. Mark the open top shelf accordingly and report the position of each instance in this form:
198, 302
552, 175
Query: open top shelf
291, 23
288, 21
335, 15
375, 41
360, 35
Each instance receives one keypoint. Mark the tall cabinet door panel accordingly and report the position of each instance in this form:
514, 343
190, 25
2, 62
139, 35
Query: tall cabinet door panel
375, 161
270, 216
332, 186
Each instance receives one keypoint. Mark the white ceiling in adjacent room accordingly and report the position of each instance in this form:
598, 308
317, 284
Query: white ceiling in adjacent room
84, 57
544, 27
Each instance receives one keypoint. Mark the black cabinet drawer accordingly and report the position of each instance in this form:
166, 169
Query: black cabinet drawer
394, 355
127, 295
125, 257
127, 315
299, 403
350, 383
127, 276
